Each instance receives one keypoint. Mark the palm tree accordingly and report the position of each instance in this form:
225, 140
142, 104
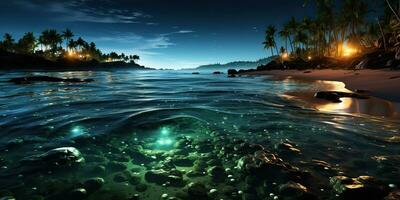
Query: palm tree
306, 29
72, 44
285, 35
270, 38
133, 58
67, 36
392, 9
292, 26
269, 44
8, 43
27, 44
355, 12
80, 43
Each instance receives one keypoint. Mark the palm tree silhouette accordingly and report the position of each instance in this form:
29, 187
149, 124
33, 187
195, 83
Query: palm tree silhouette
67, 36
270, 39
27, 43
8, 43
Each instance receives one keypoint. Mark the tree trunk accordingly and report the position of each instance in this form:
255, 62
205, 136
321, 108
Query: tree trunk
393, 11
291, 44
383, 35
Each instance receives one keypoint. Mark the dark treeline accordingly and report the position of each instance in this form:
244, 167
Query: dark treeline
53, 45
337, 31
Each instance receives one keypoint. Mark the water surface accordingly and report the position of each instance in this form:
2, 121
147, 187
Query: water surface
135, 107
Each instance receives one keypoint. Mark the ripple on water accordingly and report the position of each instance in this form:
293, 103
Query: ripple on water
120, 111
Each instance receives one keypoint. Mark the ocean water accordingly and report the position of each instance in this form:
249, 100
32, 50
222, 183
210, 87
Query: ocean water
152, 111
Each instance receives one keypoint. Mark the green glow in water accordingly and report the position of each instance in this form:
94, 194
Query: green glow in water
77, 131
165, 141
164, 131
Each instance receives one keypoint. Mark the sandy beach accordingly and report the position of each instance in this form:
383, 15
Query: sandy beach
381, 85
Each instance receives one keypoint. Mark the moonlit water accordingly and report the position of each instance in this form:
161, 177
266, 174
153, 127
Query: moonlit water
153, 103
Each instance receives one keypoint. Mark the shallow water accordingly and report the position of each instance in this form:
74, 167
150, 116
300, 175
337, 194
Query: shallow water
122, 109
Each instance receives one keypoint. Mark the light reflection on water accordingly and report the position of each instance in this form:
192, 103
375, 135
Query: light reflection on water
372, 106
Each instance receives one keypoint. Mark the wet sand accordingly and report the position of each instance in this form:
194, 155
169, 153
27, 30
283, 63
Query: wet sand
381, 85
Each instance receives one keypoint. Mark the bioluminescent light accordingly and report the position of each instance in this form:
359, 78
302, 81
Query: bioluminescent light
77, 131
164, 131
165, 141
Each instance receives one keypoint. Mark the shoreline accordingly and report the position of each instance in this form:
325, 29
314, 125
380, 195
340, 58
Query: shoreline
380, 85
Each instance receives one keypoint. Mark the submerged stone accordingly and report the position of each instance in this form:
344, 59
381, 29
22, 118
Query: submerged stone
141, 187
93, 184
59, 157
217, 173
197, 190
161, 177
79, 193
292, 190
362, 187
114, 166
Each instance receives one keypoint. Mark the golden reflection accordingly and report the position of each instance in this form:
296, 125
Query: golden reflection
335, 86
372, 106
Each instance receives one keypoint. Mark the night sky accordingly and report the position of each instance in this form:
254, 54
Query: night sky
164, 33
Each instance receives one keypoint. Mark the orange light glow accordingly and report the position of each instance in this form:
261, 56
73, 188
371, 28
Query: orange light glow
309, 57
348, 50
285, 55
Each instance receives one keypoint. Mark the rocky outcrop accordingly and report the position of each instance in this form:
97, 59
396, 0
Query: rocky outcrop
55, 158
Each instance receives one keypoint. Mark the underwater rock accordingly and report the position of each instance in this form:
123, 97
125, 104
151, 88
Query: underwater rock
265, 165
55, 158
134, 180
287, 148
394, 195
182, 161
95, 158
138, 156
217, 173
121, 158
93, 184
250, 196
7, 198
31, 79
114, 166
292, 190
232, 73
141, 187
217, 72
247, 148
200, 165
98, 170
204, 146
213, 193
197, 190
79, 193
362, 187
120, 177
134, 197
160, 177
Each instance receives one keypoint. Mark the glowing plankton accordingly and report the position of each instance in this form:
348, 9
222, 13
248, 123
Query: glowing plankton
77, 131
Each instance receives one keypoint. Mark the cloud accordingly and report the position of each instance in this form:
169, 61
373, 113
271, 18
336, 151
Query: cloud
86, 11
178, 32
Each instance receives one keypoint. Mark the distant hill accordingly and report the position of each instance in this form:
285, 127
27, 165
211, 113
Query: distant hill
236, 65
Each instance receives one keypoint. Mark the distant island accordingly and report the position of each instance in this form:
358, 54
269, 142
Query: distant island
59, 51
236, 65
